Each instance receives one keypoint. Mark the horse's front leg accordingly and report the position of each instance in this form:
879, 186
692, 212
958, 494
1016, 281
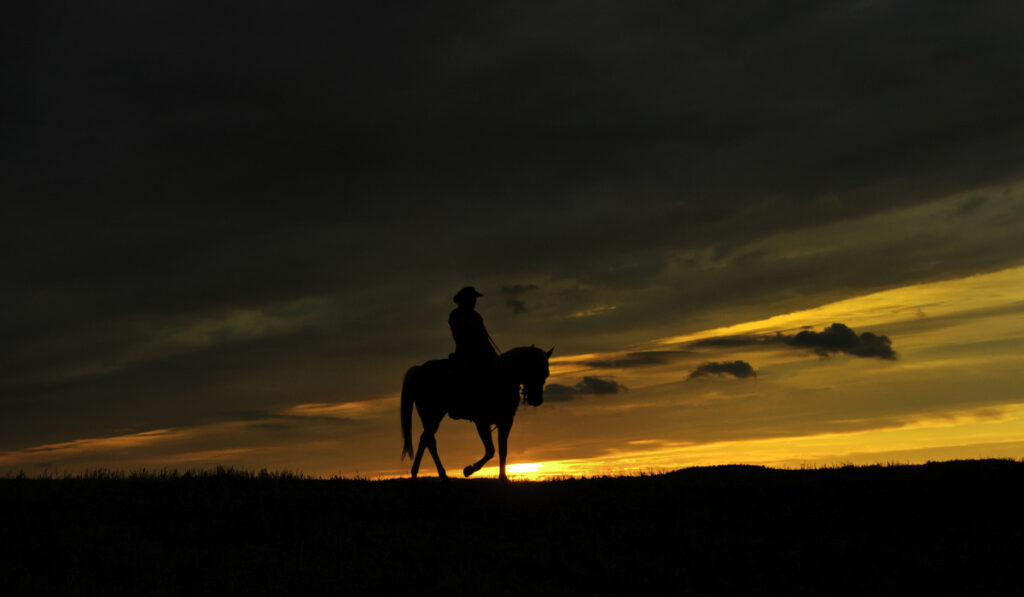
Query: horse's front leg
484, 430
503, 431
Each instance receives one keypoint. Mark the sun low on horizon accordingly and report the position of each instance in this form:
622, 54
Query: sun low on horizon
746, 242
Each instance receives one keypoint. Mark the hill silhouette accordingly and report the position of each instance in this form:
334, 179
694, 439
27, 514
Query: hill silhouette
729, 529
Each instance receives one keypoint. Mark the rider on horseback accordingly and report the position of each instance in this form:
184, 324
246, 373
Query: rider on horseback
474, 354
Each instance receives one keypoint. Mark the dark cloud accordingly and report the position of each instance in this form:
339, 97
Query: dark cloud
587, 386
517, 289
837, 338
596, 385
517, 305
513, 296
840, 338
277, 420
556, 392
247, 380
740, 369
971, 205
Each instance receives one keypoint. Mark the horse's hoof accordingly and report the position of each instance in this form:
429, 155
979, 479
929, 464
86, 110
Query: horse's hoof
469, 470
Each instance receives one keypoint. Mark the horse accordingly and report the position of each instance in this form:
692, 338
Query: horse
433, 388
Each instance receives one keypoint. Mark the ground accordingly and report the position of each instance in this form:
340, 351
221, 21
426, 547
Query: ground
718, 530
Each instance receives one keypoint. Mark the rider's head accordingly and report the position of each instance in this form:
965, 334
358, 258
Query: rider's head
467, 297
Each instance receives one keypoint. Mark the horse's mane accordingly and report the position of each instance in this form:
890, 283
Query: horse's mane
522, 353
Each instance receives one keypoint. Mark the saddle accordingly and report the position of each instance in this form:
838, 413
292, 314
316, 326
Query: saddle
470, 381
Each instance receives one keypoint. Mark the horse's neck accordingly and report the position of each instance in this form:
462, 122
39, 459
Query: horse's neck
515, 362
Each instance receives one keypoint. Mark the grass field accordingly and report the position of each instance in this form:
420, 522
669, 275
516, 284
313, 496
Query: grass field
951, 528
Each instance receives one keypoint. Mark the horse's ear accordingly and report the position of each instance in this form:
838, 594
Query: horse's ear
551, 351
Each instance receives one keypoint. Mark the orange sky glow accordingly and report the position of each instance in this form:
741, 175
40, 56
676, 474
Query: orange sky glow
960, 344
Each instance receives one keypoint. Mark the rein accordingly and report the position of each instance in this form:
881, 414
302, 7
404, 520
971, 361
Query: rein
494, 344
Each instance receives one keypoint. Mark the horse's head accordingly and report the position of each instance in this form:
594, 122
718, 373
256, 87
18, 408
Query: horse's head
534, 376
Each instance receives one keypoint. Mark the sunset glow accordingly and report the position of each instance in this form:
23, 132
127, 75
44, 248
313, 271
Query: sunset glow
225, 250
970, 312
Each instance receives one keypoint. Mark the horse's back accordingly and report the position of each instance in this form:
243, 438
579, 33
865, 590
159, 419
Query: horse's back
426, 378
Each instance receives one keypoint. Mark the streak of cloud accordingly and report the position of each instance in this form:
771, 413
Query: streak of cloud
837, 338
739, 369
589, 385
637, 359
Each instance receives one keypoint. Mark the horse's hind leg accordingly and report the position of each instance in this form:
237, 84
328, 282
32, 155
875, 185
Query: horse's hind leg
419, 455
432, 446
428, 441
485, 436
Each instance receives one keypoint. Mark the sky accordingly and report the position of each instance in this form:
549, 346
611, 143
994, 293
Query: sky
771, 233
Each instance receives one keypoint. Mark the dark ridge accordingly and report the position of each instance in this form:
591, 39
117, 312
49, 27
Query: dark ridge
714, 530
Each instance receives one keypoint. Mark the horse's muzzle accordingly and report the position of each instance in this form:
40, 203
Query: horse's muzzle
534, 398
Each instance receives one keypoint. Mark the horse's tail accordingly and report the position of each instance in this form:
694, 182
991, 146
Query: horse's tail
407, 400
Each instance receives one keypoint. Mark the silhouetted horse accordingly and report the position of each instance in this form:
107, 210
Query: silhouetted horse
434, 388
